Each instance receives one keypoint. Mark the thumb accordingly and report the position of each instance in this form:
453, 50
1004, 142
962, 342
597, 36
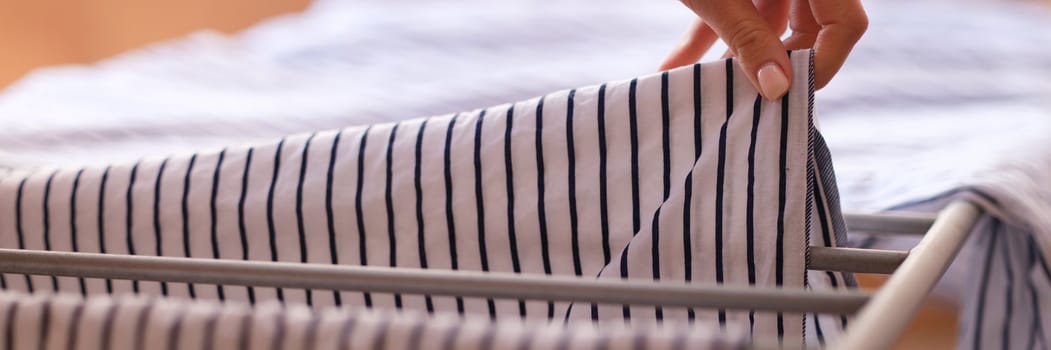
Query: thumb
757, 49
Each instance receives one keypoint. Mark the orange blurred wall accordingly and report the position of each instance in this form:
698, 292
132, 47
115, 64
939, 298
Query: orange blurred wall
35, 33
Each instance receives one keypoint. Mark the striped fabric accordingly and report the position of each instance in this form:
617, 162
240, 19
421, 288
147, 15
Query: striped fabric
687, 175
1007, 304
1005, 296
137, 322
1004, 299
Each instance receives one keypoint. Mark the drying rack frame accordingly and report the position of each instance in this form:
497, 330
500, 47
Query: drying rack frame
880, 317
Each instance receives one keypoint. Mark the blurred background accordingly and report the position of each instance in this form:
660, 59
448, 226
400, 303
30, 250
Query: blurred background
49, 32
127, 78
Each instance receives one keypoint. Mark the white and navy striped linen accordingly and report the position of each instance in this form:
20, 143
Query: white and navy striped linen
38, 321
1004, 298
687, 175
1006, 306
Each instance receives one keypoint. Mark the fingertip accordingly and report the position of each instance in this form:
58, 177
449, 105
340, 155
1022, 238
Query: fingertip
771, 74
821, 80
697, 41
764, 58
842, 24
773, 82
674, 60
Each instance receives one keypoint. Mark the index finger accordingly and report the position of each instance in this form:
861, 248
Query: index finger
752, 41
842, 23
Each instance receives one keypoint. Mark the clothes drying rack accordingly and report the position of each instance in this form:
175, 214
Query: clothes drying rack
879, 317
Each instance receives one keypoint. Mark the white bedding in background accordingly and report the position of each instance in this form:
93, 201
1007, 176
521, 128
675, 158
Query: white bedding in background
338, 64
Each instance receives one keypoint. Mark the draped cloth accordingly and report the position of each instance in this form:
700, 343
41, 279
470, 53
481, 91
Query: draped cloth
686, 175
66, 321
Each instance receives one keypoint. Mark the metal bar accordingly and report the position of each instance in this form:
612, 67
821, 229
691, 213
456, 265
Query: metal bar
908, 223
855, 260
432, 282
883, 320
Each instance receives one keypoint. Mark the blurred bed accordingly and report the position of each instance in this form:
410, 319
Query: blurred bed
353, 62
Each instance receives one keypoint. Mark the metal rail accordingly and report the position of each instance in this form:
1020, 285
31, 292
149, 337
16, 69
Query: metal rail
855, 260
902, 223
879, 323
431, 282
883, 320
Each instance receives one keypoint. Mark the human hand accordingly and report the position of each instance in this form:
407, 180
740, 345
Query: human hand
752, 32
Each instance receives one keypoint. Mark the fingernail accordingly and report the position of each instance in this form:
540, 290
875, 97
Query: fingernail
772, 81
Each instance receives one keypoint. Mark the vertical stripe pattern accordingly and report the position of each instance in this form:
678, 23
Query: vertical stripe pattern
70, 322
607, 181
